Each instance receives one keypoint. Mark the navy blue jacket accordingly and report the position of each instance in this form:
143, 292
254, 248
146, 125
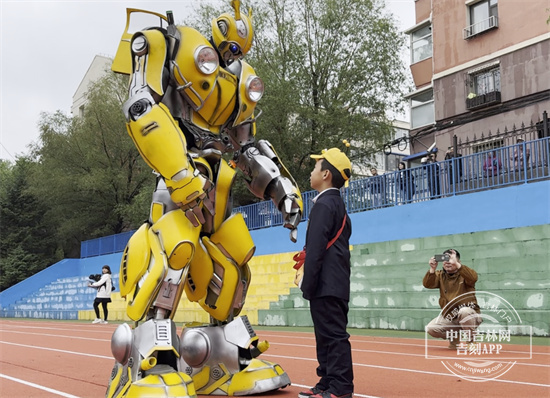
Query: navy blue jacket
327, 272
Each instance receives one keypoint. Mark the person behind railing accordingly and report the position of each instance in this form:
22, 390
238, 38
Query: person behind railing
432, 175
518, 156
449, 155
492, 165
377, 188
405, 182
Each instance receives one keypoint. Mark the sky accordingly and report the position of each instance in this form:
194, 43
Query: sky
46, 47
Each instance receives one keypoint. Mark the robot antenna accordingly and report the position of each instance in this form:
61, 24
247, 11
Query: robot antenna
236, 4
170, 17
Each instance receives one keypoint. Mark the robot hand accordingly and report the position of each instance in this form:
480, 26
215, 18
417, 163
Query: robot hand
267, 178
292, 215
284, 195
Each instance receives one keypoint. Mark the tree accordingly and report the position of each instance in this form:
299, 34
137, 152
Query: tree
90, 174
332, 71
27, 244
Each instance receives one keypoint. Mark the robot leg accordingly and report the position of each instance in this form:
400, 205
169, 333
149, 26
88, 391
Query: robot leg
137, 371
222, 357
153, 270
222, 360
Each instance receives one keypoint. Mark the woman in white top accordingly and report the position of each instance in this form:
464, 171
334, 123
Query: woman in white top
103, 297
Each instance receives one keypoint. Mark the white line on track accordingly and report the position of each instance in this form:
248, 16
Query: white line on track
282, 344
354, 394
56, 350
28, 383
354, 341
408, 354
297, 358
55, 335
410, 370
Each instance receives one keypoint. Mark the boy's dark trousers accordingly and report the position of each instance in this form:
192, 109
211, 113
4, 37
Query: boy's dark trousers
330, 318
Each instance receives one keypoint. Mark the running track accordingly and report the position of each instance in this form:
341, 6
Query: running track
73, 359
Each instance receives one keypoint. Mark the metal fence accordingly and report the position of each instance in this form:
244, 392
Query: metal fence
505, 137
515, 164
495, 168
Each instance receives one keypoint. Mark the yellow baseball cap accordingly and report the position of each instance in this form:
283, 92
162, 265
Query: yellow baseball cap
338, 159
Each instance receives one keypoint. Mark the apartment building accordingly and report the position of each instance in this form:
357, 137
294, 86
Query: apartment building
481, 68
99, 67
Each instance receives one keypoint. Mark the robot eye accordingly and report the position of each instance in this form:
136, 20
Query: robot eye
235, 49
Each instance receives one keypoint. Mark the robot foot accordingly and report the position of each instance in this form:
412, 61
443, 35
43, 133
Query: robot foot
258, 377
164, 382
223, 360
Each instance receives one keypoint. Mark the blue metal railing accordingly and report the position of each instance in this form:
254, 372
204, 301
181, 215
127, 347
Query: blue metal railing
511, 165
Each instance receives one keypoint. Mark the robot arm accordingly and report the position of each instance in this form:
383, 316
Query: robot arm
268, 178
155, 132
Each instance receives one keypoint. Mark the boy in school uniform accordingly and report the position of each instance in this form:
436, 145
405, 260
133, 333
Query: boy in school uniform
326, 278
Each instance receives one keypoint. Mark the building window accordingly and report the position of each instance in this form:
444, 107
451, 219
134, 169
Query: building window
421, 44
483, 88
422, 109
483, 16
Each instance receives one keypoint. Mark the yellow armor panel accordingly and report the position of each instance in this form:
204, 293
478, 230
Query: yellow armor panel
155, 60
224, 182
135, 260
201, 378
246, 106
245, 380
212, 96
123, 58
160, 141
176, 384
224, 303
220, 384
200, 272
113, 384
233, 239
178, 236
144, 296
157, 211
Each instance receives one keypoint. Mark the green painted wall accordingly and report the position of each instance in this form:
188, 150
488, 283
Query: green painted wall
386, 282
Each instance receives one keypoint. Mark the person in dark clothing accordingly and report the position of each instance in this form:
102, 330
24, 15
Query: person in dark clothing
432, 175
377, 189
326, 280
457, 164
405, 180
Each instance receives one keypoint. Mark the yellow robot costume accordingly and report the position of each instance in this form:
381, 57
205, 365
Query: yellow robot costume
191, 100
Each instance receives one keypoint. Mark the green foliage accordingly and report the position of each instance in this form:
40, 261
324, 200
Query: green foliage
332, 71
26, 243
90, 174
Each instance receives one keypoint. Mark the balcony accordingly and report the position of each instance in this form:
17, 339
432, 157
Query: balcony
483, 100
480, 27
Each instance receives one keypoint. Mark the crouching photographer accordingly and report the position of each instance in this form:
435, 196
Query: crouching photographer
104, 286
457, 299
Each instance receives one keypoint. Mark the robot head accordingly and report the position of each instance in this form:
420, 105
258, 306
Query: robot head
232, 35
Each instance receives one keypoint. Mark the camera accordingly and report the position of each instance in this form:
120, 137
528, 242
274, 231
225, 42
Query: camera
95, 277
442, 257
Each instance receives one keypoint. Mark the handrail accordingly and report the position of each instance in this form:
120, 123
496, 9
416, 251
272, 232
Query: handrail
516, 164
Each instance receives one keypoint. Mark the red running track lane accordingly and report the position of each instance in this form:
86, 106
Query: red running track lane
65, 359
